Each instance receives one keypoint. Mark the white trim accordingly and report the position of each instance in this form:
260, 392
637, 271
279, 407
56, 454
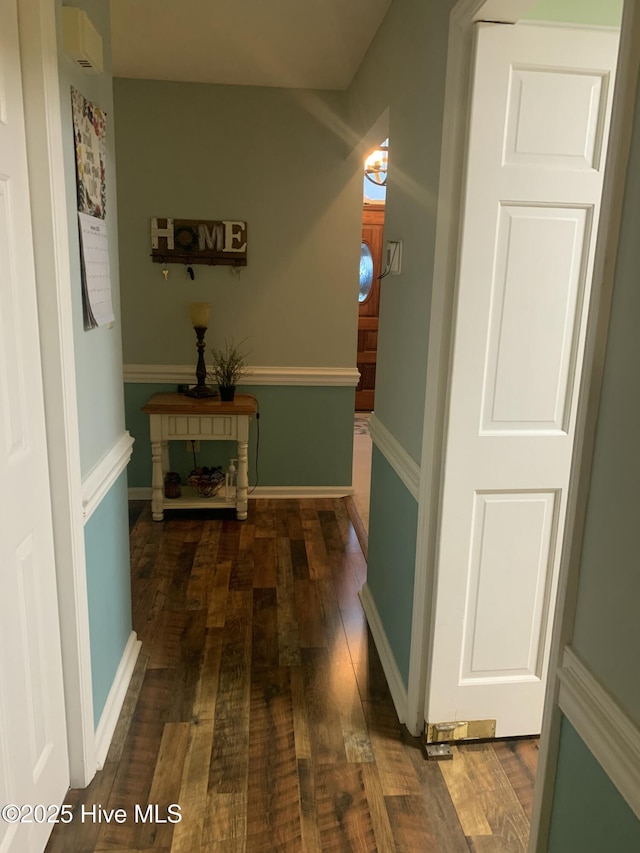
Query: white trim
388, 661
607, 731
115, 699
302, 376
143, 493
405, 467
104, 474
300, 492
38, 47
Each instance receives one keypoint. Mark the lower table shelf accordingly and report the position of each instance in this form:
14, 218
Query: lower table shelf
190, 499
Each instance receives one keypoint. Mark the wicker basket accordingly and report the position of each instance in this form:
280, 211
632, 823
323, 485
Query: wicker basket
206, 481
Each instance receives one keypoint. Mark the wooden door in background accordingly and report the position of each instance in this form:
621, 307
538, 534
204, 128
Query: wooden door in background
369, 298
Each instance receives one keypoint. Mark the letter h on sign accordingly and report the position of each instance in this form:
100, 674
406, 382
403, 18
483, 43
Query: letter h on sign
161, 232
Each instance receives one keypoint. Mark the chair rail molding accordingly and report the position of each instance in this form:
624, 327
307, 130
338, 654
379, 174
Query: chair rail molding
103, 475
405, 467
609, 734
302, 376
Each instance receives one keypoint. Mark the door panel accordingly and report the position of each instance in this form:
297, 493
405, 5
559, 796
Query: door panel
508, 529
33, 747
369, 309
555, 118
535, 317
537, 143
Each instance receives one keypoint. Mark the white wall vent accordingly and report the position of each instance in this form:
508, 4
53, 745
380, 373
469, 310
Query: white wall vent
82, 42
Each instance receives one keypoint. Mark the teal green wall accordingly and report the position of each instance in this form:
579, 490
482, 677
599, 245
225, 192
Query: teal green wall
393, 519
589, 815
106, 536
265, 155
271, 157
98, 364
607, 629
306, 436
595, 12
98, 353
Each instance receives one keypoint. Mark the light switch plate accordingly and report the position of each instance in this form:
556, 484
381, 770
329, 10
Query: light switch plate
393, 257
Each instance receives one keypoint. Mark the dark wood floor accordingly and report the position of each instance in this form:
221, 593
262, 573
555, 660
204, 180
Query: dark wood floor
259, 706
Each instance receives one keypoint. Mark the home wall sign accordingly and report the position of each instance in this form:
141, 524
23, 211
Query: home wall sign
194, 241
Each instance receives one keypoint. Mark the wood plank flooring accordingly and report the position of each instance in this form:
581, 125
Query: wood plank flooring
260, 707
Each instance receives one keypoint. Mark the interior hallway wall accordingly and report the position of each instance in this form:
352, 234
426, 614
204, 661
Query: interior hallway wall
271, 157
404, 70
98, 356
589, 813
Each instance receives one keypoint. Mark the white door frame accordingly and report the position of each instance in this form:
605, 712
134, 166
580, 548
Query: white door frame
450, 198
39, 59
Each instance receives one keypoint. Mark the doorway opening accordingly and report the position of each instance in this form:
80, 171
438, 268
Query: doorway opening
467, 665
371, 272
453, 674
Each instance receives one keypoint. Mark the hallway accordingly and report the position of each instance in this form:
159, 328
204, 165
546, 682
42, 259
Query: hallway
361, 470
259, 705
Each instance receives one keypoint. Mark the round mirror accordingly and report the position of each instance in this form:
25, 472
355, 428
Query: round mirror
366, 272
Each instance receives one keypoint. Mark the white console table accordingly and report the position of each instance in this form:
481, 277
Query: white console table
175, 417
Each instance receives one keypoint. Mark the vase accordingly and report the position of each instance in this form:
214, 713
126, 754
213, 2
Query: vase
227, 393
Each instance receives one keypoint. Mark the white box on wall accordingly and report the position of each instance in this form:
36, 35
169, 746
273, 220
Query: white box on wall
82, 42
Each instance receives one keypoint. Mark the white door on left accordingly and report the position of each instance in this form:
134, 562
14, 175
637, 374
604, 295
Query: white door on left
33, 744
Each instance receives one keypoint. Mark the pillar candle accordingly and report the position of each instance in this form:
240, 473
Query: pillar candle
199, 312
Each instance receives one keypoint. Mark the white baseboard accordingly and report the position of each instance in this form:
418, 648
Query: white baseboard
609, 734
389, 665
143, 493
301, 376
301, 492
103, 475
115, 699
405, 467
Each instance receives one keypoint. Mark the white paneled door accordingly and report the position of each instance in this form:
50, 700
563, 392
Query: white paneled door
33, 747
537, 142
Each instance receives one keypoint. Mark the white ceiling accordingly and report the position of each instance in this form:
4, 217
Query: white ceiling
310, 44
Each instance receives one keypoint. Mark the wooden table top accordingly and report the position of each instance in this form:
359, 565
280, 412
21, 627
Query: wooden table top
180, 404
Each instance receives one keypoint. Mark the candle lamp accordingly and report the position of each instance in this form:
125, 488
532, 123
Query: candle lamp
199, 313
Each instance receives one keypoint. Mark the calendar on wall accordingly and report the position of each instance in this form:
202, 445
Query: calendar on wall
91, 185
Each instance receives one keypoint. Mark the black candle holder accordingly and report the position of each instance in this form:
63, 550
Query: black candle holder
201, 389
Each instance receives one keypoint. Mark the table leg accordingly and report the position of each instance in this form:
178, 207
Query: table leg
243, 481
164, 445
156, 481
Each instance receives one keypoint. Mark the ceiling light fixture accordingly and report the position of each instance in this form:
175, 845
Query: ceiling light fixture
375, 166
